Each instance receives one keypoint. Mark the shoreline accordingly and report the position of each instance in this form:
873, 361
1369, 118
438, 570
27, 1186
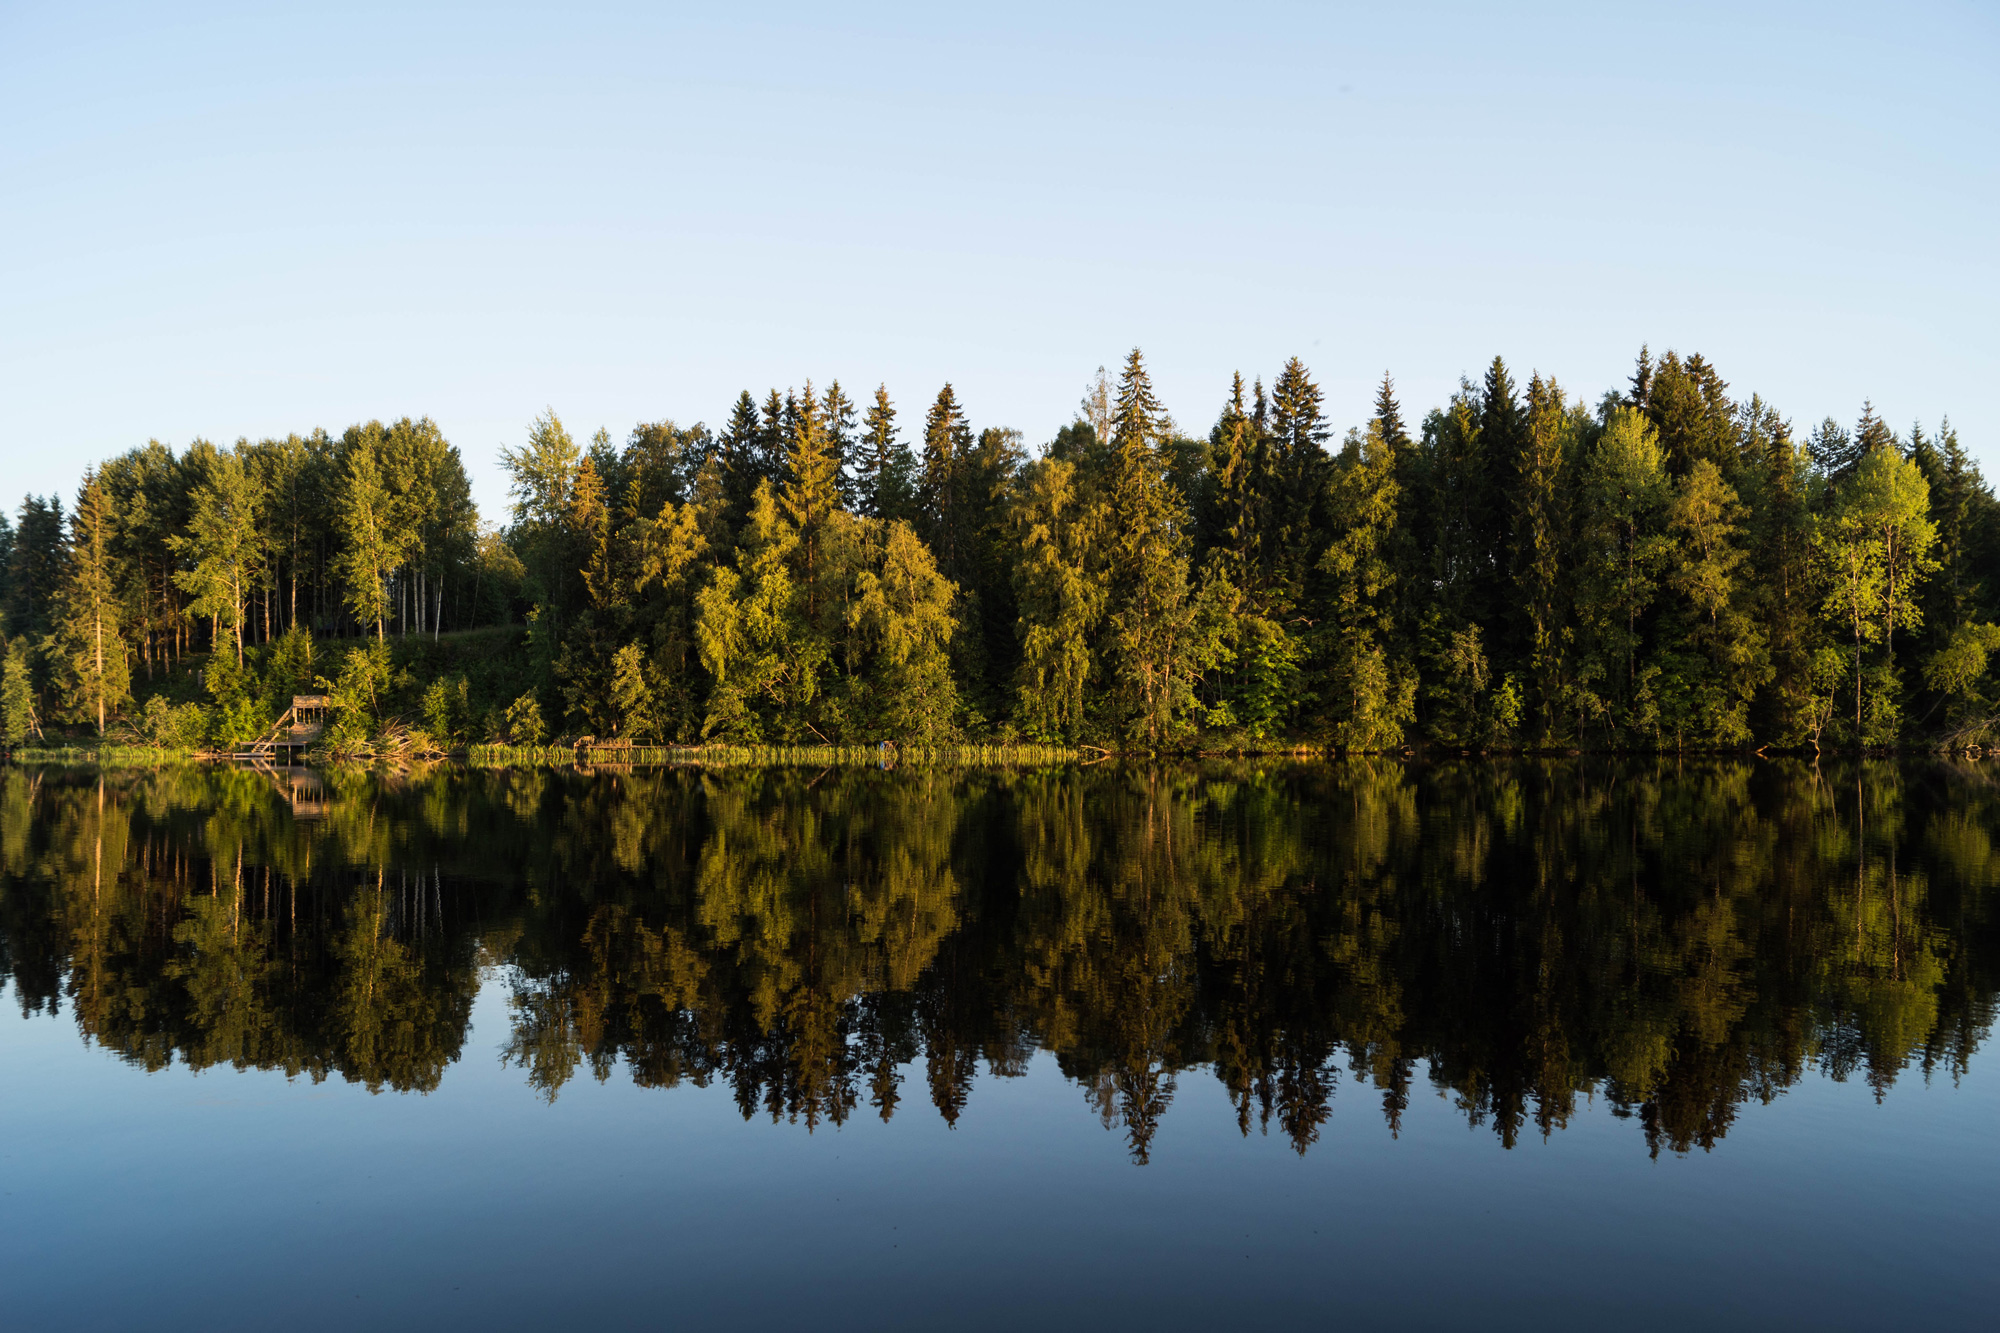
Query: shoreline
958, 756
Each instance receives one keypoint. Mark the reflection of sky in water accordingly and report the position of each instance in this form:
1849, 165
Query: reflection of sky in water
1497, 930
239, 1200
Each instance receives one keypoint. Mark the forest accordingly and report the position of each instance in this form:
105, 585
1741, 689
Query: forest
1669, 568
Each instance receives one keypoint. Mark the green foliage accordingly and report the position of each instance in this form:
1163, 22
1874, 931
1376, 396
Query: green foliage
358, 695
1062, 600
899, 674
447, 710
221, 543
288, 668
1874, 548
1369, 695
1666, 570
631, 696
374, 540
87, 649
1625, 550
523, 722
1958, 672
17, 697
170, 726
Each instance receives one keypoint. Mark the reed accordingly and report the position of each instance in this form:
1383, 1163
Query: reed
106, 756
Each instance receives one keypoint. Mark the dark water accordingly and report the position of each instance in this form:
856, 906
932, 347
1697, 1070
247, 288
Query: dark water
1507, 1044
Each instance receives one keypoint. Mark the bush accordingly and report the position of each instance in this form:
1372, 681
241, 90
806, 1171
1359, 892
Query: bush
171, 727
524, 722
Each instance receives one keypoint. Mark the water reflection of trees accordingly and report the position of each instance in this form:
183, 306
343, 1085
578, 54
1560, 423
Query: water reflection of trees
1679, 939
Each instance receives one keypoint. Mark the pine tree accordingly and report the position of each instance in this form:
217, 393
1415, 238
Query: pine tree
93, 677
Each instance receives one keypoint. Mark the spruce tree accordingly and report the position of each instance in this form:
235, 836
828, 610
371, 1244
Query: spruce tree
1234, 451
837, 411
1955, 487
1503, 441
1778, 503
774, 436
812, 495
986, 648
738, 449
1688, 404
34, 568
1640, 387
1410, 542
886, 473
1540, 546
1157, 647
1832, 450
941, 482
1872, 433
1294, 482
6, 566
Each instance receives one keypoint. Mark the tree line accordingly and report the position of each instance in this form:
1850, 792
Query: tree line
1684, 937
1667, 568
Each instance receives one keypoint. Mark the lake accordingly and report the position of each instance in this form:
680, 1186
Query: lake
1498, 1042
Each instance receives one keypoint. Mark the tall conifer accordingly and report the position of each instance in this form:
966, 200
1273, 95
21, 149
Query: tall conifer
886, 480
92, 674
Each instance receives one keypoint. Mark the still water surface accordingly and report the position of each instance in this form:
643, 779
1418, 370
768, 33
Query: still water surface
1374, 1044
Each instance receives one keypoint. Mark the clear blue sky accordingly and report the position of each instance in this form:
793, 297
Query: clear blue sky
223, 221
